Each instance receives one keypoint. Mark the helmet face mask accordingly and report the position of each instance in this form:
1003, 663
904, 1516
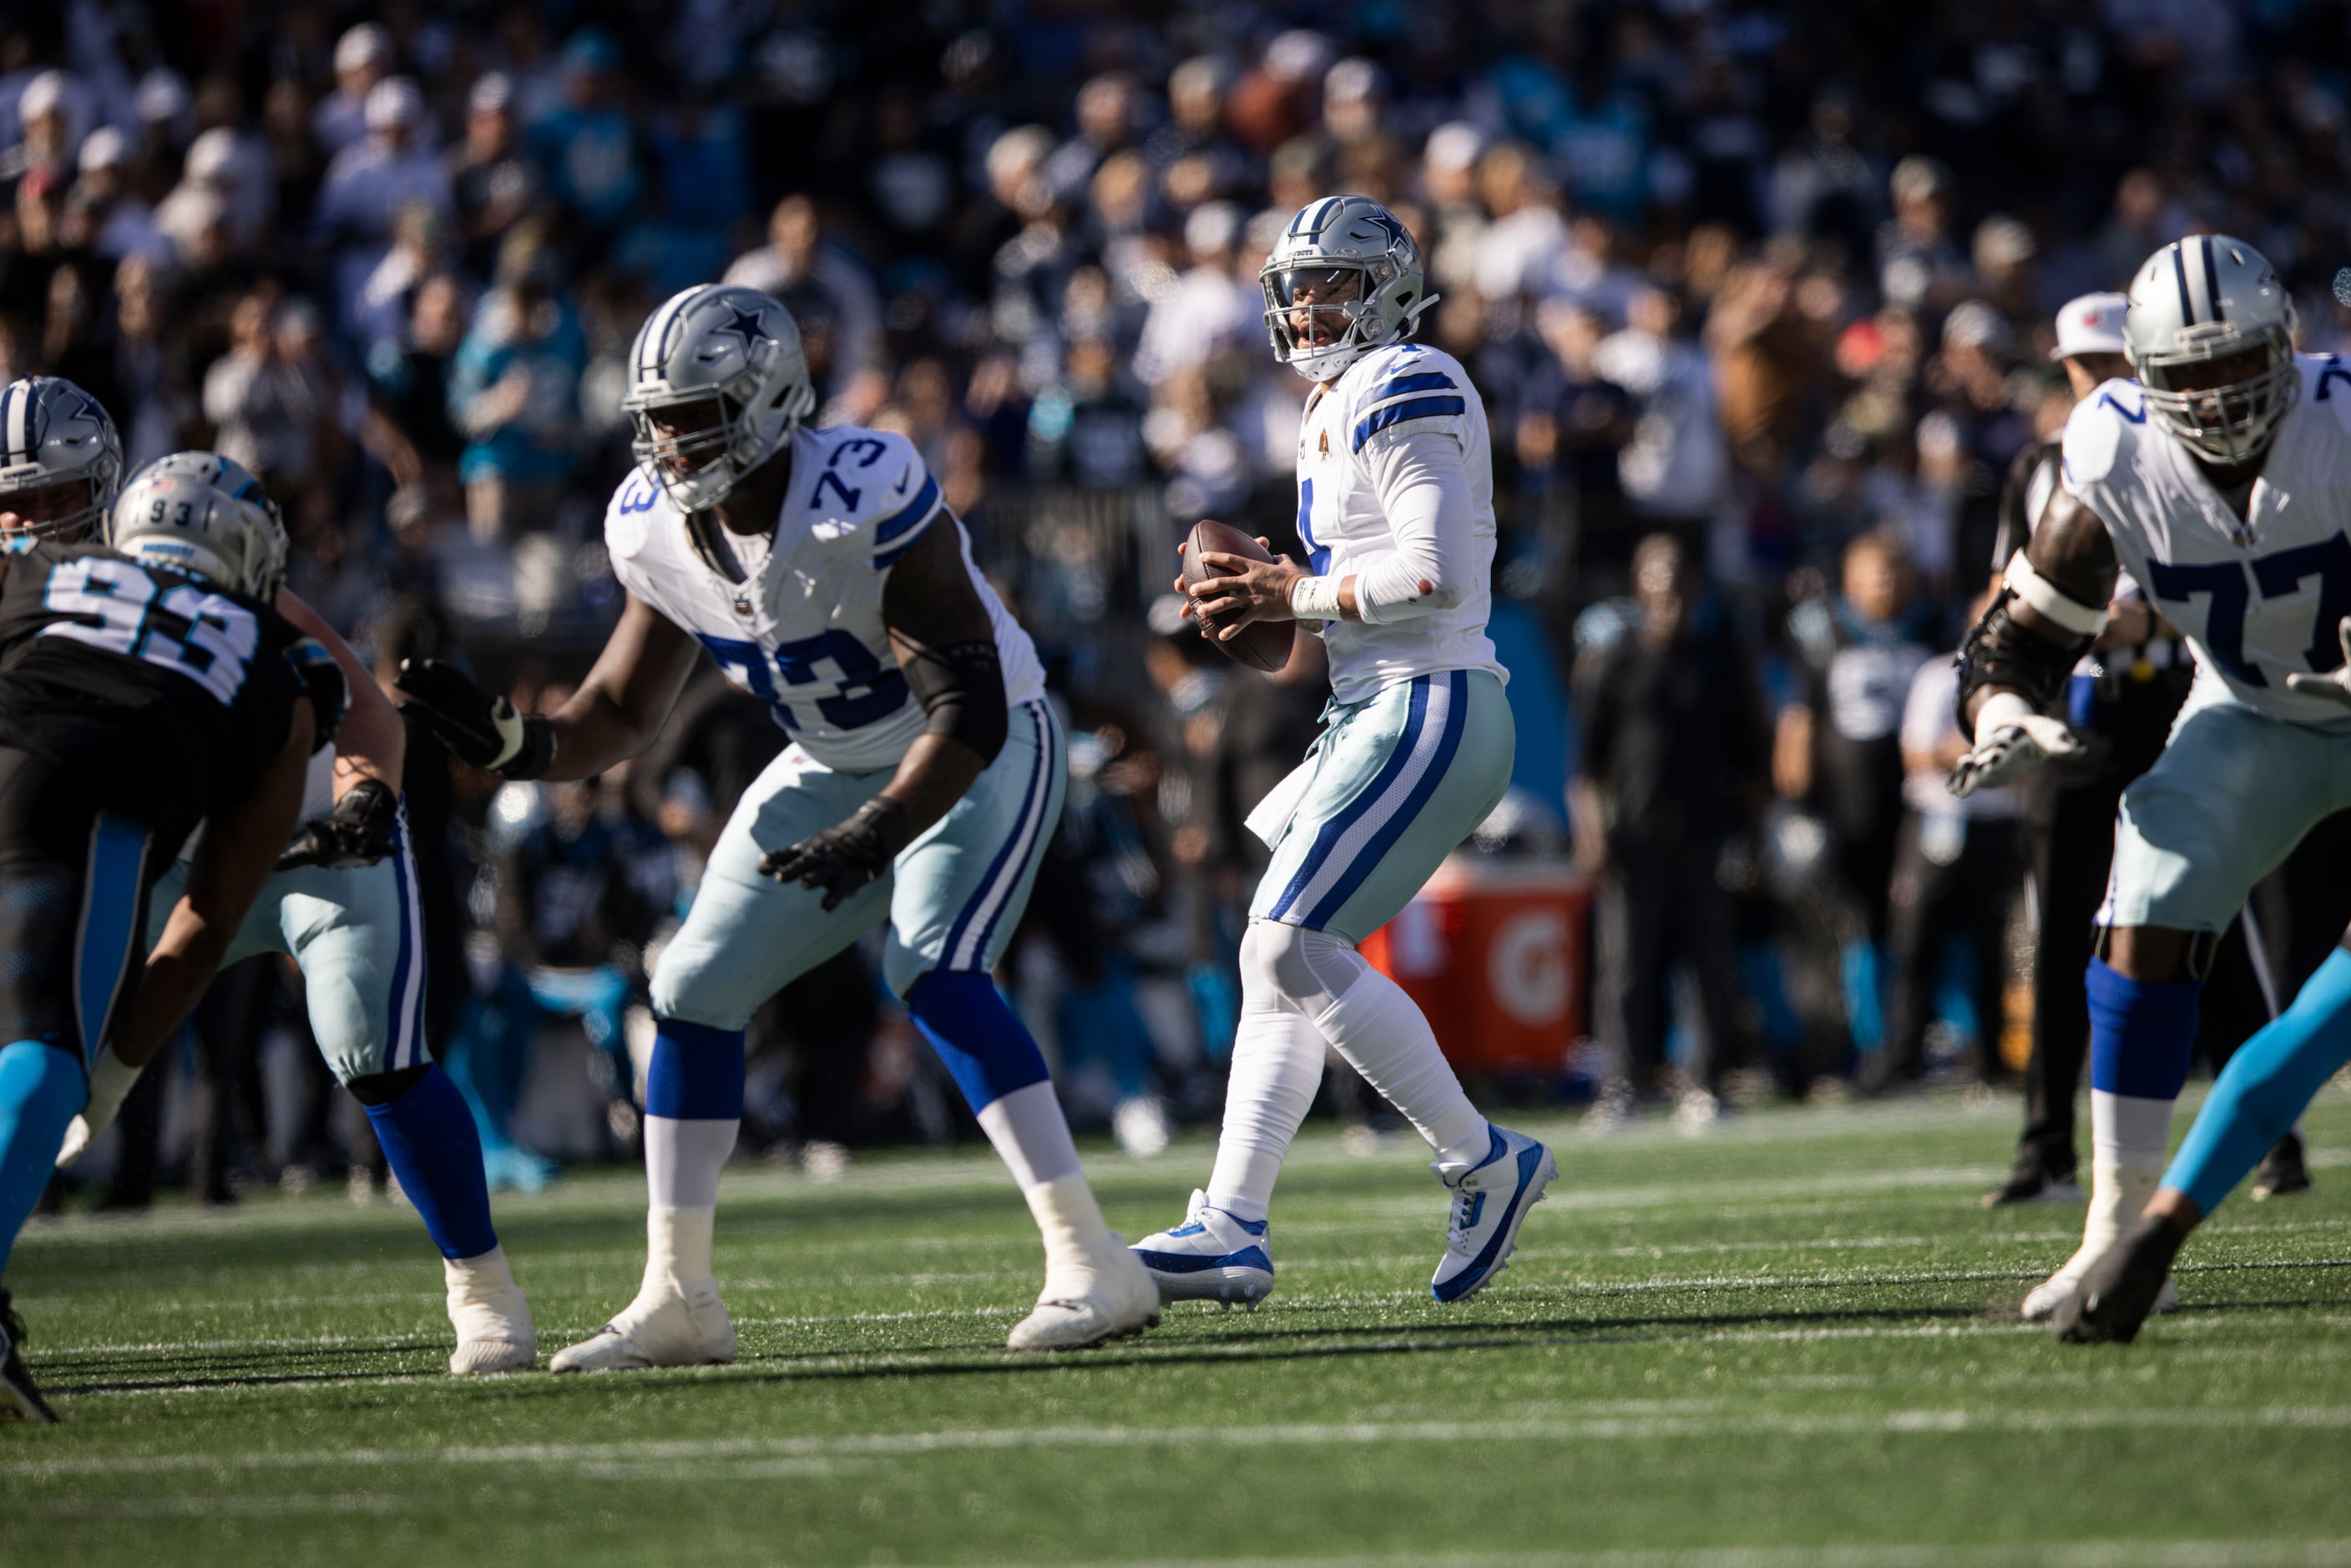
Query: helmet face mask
2209, 335
719, 381
64, 510
681, 437
1343, 279
60, 462
2226, 404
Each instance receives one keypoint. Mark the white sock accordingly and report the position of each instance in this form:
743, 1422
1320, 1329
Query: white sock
2129, 1138
1277, 1067
683, 1160
678, 1242
1384, 1035
1030, 1135
486, 1273
1070, 1220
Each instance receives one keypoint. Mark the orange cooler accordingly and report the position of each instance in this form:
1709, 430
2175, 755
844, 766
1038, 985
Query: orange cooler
1493, 952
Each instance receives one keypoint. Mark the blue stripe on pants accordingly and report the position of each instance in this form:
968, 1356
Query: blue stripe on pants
109, 923
1032, 814
1039, 785
404, 1010
1457, 719
1336, 828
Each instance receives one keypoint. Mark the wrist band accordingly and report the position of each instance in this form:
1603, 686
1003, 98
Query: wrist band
1315, 598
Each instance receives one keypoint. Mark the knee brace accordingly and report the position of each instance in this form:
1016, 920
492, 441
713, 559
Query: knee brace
383, 1088
1311, 968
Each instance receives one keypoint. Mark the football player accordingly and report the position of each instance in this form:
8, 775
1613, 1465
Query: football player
2220, 480
1395, 508
821, 571
142, 688
342, 904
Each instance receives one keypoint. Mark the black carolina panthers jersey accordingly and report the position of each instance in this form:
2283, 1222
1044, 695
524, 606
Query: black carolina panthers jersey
166, 692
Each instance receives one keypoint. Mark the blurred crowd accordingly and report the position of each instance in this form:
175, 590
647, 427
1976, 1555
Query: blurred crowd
1759, 294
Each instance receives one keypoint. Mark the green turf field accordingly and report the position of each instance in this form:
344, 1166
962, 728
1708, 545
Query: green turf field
1790, 1342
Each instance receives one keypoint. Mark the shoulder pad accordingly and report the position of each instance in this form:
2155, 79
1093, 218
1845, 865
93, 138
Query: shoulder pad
1406, 384
322, 680
629, 516
2326, 378
874, 484
2098, 429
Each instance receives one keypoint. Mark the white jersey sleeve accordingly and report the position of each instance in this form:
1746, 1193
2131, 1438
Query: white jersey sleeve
797, 620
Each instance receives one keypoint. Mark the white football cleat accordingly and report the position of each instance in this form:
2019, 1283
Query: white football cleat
1490, 1202
672, 1323
2042, 1303
1102, 1295
1213, 1256
492, 1319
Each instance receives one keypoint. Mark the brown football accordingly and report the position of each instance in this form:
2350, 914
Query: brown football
1262, 644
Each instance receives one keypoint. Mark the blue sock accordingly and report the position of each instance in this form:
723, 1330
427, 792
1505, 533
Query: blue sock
696, 1074
2142, 1033
987, 1048
432, 1146
42, 1089
2266, 1086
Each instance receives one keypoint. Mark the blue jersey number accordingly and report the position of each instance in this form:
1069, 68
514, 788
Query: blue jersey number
867, 691
201, 635
2276, 576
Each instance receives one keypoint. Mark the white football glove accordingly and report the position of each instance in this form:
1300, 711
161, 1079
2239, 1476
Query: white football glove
2335, 683
110, 1081
2010, 741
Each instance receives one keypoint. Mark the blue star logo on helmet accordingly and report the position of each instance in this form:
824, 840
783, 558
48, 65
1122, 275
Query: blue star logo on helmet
745, 324
1384, 221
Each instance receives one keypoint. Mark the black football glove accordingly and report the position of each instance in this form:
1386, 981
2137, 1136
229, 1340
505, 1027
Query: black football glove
842, 858
485, 730
363, 829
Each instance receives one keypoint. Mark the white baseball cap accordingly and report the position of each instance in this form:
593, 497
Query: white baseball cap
2090, 325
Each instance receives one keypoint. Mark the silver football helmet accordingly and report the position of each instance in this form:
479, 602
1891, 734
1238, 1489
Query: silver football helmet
718, 379
1344, 278
2211, 301
203, 513
55, 435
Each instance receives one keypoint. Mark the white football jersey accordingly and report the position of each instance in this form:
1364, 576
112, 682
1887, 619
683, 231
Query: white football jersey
802, 627
1392, 393
2260, 597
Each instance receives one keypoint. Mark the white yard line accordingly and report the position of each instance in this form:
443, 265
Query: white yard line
906, 1445
2065, 1555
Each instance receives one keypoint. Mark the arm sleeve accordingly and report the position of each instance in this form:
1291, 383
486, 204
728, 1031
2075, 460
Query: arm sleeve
1423, 483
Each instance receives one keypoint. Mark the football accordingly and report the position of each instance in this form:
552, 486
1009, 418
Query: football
1262, 644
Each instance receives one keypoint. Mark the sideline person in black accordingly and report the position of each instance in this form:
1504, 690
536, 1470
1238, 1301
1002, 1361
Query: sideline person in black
1675, 757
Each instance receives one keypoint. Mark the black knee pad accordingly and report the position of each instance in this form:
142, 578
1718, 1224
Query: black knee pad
383, 1088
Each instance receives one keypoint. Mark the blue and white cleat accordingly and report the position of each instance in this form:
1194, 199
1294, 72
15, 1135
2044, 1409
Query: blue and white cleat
1211, 1257
1489, 1203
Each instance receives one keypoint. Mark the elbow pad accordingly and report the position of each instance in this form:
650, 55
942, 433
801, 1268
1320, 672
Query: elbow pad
323, 679
1999, 652
961, 687
1390, 592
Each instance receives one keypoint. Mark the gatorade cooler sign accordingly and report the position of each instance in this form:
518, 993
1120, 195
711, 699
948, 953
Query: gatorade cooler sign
1493, 953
